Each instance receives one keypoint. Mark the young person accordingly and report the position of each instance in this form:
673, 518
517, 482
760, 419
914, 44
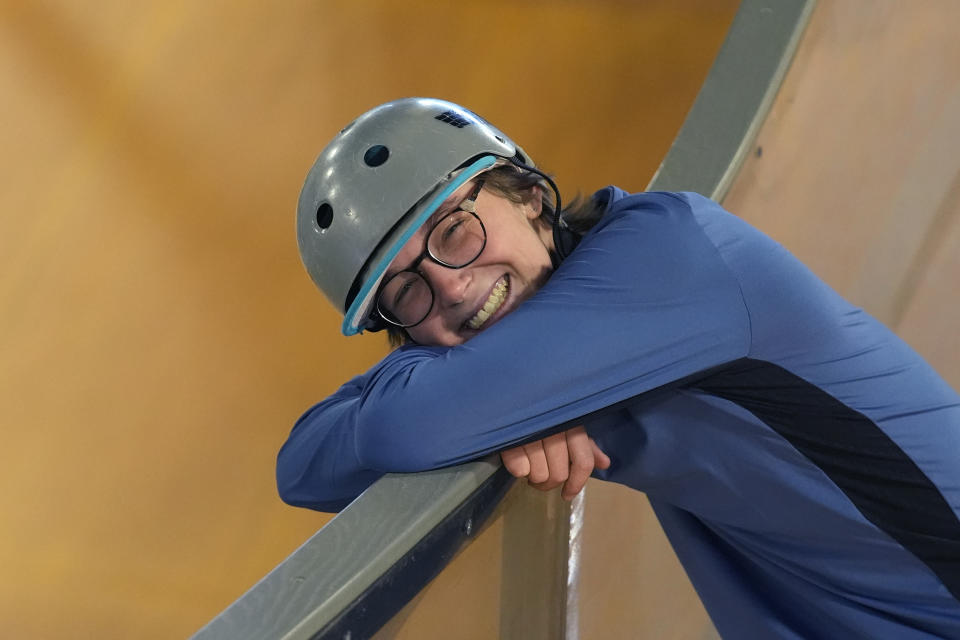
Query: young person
802, 459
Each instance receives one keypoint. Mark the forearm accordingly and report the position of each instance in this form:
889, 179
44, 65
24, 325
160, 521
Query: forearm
317, 467
620, 317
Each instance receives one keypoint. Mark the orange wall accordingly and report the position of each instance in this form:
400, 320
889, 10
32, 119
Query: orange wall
158, 334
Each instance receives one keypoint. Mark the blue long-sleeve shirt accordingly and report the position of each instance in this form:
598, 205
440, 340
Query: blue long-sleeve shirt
804, 462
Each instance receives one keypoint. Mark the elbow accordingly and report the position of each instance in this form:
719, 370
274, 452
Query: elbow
304, 483
288, 482
295, 494
291, 483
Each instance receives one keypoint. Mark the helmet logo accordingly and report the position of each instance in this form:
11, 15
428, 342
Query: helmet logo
452, 117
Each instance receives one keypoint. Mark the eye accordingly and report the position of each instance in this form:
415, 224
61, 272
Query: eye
402, 291
453, 229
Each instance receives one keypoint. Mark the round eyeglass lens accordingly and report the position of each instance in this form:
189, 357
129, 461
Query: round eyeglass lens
405, 299
457, 239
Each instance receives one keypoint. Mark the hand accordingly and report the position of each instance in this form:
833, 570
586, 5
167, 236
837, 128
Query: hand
566, 458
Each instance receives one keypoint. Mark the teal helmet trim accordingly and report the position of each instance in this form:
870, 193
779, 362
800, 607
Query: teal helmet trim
359, 310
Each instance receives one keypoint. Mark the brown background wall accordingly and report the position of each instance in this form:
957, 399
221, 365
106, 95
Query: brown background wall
158, 336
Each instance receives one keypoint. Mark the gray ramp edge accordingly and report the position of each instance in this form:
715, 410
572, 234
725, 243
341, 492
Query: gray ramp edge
735, 98
339, 563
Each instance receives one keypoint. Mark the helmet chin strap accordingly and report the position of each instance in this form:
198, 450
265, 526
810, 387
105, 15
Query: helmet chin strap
563, 242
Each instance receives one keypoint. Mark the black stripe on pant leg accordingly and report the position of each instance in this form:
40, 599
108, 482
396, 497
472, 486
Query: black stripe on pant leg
871, 469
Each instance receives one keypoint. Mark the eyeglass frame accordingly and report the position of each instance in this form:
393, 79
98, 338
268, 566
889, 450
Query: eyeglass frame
467, 205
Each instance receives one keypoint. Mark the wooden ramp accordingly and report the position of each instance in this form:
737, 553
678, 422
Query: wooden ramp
857, 168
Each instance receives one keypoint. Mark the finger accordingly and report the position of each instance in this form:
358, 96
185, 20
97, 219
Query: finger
600, 459
516, 462
539, 471
581, 462
558, 460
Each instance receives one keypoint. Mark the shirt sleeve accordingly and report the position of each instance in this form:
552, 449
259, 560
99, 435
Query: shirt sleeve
318, 467
644, 300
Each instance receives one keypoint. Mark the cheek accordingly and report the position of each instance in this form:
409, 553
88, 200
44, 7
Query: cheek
532, 257
432, 332
517, 241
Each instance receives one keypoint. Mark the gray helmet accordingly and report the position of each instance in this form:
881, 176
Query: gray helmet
376, 183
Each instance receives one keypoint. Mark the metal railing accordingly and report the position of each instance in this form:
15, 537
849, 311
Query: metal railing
354, 574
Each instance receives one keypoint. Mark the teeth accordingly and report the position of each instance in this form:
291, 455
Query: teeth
497, 296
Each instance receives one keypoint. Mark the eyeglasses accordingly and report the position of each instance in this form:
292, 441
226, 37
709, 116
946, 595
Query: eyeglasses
455, 241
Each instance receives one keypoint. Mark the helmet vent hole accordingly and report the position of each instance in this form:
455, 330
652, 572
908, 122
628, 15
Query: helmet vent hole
501, 140
324, 215
452, 118
376, 155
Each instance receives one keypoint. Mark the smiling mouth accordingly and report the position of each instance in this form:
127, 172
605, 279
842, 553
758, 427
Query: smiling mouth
493, 303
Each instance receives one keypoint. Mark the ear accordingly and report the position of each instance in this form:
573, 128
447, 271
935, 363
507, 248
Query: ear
534, 206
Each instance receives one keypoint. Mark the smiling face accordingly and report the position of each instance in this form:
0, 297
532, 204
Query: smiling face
514, 263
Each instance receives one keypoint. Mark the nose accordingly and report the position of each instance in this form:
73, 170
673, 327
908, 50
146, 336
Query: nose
449, 285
